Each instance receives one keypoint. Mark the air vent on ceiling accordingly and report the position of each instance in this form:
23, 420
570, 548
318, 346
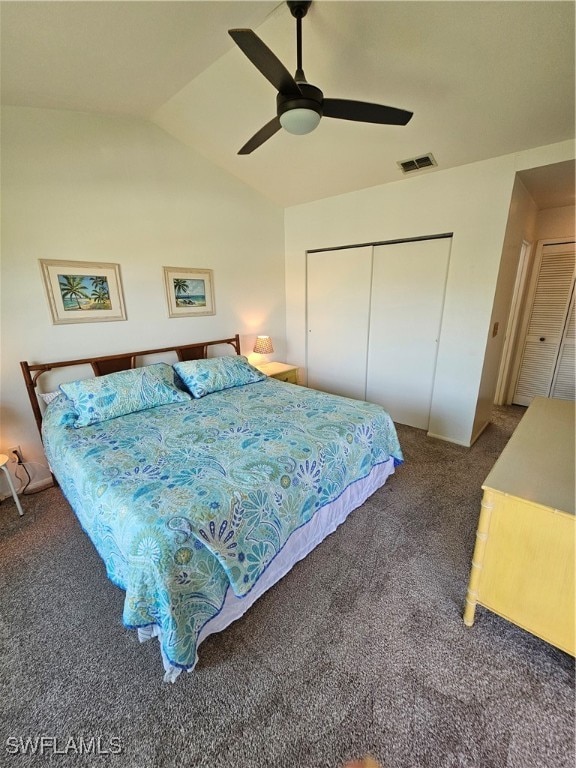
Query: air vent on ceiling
417, 163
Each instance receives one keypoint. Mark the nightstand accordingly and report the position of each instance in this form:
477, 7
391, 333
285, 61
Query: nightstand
280, 371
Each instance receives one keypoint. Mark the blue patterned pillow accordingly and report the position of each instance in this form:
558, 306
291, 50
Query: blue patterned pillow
202, 377
117, 394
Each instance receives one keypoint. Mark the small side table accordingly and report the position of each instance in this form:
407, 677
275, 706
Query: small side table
3, 461
280, 371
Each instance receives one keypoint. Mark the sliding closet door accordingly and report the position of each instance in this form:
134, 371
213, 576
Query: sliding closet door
338, 287
408, 285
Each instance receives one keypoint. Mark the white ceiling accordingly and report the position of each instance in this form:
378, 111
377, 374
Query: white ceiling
482, 78
113, 57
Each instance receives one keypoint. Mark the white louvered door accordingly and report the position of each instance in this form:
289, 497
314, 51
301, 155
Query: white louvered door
563, 384
546, 352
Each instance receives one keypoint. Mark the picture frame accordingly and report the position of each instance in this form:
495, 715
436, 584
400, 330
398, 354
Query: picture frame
189, 291
83, 291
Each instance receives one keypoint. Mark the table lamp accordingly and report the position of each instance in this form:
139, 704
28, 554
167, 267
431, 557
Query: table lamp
263, 345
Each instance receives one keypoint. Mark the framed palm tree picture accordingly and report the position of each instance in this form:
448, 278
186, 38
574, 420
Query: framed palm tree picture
189, 291
83, 291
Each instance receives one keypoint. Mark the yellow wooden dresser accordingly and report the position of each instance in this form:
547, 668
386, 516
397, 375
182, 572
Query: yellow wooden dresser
523, 562
281, 371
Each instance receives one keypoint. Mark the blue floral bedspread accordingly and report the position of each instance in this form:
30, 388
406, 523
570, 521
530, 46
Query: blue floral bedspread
182, 500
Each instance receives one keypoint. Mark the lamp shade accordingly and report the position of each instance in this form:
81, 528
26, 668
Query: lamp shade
263, 345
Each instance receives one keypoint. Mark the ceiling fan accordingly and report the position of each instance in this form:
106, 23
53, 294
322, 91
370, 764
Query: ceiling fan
299, 105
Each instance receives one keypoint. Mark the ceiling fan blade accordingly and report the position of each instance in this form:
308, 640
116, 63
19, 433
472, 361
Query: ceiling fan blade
364, 112
265, 61
259, 138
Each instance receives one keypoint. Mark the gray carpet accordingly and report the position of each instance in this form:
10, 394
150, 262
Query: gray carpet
360, 649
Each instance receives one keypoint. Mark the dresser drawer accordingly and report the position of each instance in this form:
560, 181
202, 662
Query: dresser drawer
290, 376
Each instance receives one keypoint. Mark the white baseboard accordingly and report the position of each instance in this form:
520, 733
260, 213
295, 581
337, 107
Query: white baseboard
448, 439
40, 478
40, 485
478, 432
35, 486
475, 437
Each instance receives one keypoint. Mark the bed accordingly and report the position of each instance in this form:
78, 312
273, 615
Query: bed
202, 482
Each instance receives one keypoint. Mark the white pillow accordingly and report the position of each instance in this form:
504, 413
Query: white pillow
47, 397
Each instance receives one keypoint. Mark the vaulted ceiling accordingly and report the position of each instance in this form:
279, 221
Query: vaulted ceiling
482, 78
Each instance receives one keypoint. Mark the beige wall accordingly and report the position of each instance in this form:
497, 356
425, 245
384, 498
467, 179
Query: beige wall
556, 222
521, 227
96, 188
472, 202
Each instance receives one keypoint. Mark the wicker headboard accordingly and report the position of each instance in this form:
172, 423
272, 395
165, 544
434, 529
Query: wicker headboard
114, 363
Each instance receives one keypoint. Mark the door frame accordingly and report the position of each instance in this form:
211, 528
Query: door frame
502, 396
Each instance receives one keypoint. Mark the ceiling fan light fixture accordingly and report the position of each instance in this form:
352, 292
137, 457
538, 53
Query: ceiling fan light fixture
300, 120
299, 105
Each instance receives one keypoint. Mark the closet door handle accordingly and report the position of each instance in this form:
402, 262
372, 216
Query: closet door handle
542, 338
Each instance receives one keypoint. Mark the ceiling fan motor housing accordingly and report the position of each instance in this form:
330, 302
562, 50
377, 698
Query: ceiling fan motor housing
311, 98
